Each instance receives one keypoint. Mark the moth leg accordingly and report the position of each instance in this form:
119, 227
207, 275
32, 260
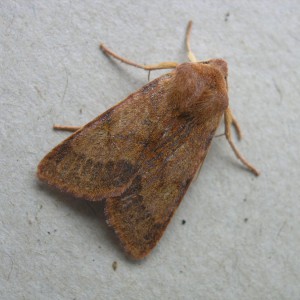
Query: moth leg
66, 128
160, 66
190, 54
235, 124
228, 122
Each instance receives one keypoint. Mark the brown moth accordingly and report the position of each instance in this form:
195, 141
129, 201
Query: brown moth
141, 155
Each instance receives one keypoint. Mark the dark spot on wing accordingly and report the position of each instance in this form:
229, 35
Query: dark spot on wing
187, 116
208, 140
150, 236
117, 173
187, 183
107, 115
62, 151
147, 122
150, 86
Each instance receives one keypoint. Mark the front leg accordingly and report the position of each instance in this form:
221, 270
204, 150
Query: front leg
235, 124
230, 120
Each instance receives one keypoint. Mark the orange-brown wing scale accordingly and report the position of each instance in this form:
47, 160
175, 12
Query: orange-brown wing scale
142, 154
142, 212
101, 159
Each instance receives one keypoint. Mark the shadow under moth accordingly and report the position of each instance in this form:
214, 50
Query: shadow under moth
141, 155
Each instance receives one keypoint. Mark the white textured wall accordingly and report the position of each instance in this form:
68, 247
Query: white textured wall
55, 247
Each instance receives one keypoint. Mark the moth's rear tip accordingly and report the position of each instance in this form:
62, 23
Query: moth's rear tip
135, 255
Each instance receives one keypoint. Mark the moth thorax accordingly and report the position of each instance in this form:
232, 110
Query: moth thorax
199, 91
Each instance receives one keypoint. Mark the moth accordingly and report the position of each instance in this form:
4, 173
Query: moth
141, 155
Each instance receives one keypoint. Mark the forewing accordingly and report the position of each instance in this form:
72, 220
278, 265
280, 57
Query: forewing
101, 159
143, 211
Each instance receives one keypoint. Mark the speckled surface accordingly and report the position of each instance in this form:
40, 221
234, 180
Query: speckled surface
241, 237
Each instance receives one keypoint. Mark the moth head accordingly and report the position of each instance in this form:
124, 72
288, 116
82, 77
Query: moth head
219, 64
